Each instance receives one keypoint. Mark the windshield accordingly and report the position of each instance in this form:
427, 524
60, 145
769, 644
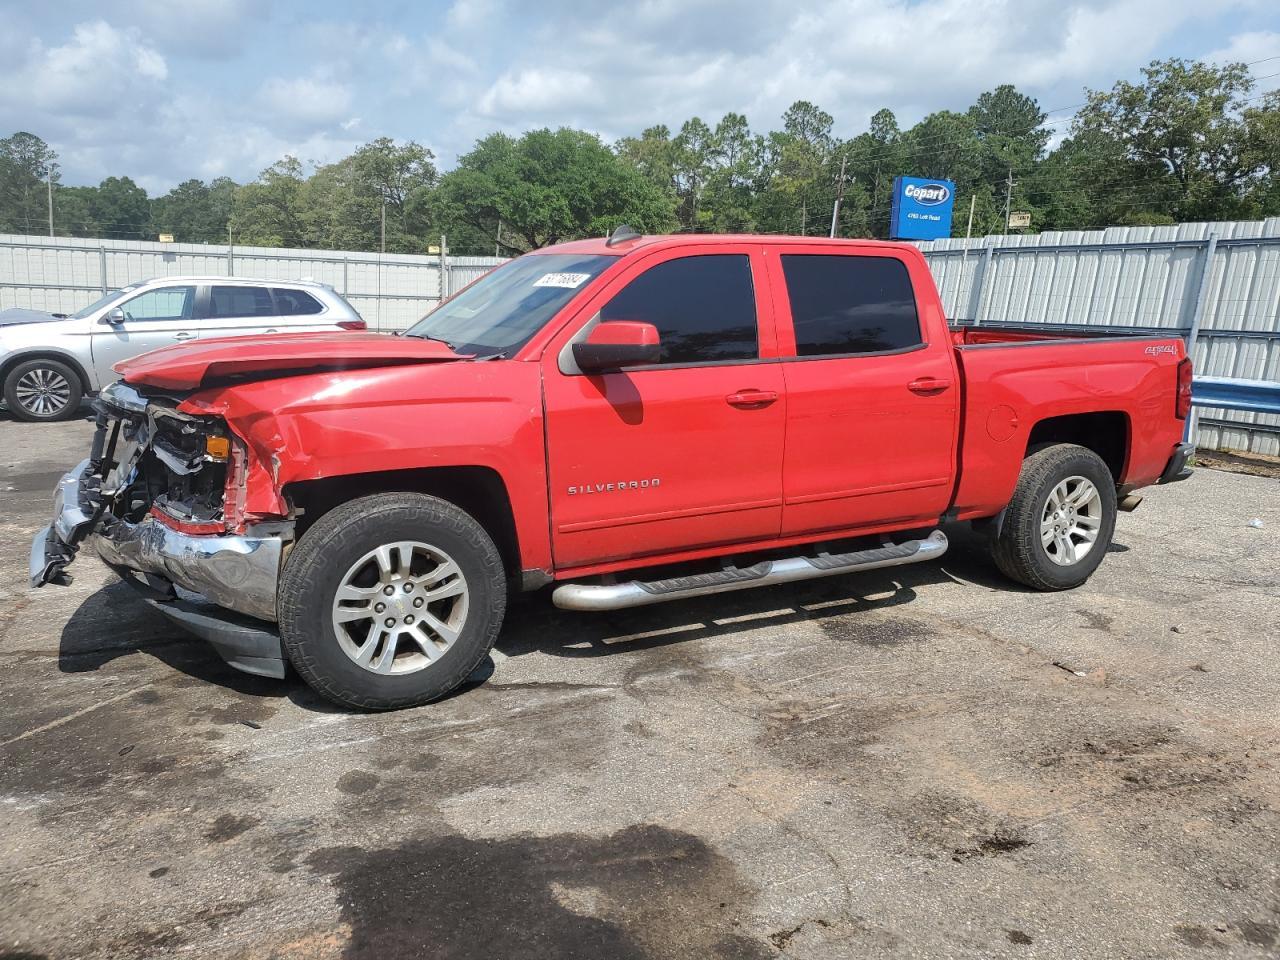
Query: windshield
503, 309
83, 314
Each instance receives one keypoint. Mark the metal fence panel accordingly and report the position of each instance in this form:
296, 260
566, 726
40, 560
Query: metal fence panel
1220, 280
61, 274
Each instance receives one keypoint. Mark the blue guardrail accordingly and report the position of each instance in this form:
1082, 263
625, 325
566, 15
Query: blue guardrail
1258, 396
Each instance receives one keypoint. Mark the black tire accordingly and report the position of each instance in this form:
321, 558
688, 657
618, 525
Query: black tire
318, 563
53, 372
1019, 551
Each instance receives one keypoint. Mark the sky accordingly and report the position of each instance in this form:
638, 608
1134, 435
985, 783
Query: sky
165, 90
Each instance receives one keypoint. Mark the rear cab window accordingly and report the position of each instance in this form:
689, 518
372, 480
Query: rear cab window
843, 305
703, 306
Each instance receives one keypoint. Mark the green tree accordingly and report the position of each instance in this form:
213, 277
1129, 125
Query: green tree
545, 187
121, 210
26, 165
195, 211
269, 211
798, 185
736, 159
1183, 138
653, 154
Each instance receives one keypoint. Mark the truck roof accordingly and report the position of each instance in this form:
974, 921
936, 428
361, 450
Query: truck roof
600, 245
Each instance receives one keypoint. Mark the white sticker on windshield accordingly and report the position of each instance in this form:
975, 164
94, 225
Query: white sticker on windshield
570, 281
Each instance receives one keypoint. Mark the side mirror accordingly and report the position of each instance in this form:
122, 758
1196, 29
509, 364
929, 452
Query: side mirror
114, 316
617, 344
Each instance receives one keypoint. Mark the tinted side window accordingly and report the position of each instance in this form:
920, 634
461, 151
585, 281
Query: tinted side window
240, 302
704, 307
167, 303
294, 303
848, 304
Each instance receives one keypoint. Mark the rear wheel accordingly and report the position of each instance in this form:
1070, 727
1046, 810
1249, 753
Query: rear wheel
391, 601
1060, 521
43, 391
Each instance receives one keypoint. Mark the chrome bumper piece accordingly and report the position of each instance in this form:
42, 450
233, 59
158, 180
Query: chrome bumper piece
239, 573
236, 572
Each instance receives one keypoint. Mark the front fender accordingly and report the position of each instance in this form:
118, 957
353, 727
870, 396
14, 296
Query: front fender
394, 418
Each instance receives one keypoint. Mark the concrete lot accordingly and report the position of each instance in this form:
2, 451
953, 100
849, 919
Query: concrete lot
922, 762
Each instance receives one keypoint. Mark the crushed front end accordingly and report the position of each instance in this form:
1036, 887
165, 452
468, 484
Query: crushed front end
160, 498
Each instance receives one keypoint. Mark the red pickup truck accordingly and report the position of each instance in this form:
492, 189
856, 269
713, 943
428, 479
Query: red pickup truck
635, 419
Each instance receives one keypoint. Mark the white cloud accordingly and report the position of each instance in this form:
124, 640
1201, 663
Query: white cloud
99, 67
473, 14
304, 101
162, 91
539, 89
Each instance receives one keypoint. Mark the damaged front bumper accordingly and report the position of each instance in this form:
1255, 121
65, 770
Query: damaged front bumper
236, 572
234, 577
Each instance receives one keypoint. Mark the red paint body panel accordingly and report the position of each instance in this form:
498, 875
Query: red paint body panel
762, 453
394, 418
1042, 380
718, 465
849, 461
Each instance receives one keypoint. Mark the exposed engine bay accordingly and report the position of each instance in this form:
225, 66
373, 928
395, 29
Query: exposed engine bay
151, 457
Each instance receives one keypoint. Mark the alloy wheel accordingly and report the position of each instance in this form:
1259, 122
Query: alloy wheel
1071, 520
43, 392
400, 607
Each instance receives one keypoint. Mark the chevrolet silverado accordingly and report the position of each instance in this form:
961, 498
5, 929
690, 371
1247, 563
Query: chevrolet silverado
634, 420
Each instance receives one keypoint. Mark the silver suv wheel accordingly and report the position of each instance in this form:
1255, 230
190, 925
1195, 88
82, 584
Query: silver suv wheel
43, 392
400, 607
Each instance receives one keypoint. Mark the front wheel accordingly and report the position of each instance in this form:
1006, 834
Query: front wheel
391, 601
1059, 523
42, 391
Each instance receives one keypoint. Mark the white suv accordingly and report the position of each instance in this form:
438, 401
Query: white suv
48, 362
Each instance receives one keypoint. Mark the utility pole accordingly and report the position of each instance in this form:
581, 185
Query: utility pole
446, 279
383, 247
835, 210
804, 218
50, 181
497, 239
1008, 195
964, 251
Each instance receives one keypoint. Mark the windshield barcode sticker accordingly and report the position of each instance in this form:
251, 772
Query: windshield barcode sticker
570, 281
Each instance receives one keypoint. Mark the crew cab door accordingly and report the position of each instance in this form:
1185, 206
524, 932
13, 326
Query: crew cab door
159, 317
872, 391
682, 454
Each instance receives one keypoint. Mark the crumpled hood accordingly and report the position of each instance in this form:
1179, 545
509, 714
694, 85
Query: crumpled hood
17, 315
188, 366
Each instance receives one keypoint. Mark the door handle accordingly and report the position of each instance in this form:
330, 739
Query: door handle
183, 336
928, 385
751, 398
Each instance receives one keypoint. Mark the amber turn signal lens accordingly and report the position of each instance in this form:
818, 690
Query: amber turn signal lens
219, 448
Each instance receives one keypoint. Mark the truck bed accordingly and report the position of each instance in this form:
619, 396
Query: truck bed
965, 333
1122, 381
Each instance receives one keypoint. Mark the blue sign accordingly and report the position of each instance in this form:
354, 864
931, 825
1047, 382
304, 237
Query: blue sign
921, 208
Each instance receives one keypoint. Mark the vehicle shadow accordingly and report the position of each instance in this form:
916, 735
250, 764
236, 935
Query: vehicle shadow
114, 622
83, 412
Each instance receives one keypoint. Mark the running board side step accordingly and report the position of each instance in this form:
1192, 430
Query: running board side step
637, 593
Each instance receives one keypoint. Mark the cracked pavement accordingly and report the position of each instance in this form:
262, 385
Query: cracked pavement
918, 762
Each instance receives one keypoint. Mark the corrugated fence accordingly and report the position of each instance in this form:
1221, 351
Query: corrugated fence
62, 275
1217, 284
